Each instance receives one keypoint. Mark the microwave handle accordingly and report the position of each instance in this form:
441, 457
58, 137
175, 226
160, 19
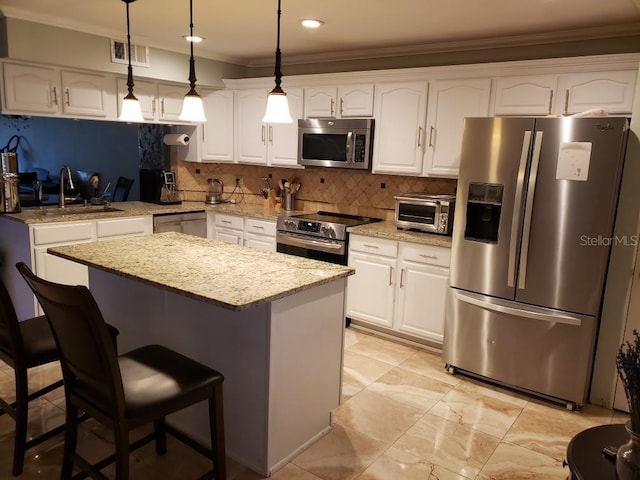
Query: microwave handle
350, 150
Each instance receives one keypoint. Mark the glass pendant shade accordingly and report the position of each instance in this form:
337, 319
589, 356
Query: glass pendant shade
130, 111
277, 108
277, 103
192, 108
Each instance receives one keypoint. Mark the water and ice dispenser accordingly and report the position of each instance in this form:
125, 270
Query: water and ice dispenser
484, 206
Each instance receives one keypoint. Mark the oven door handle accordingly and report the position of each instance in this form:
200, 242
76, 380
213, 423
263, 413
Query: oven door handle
312, 244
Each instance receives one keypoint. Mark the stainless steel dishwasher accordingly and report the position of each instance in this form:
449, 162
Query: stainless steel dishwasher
192, 223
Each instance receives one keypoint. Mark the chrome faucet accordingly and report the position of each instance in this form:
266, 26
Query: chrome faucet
61, 199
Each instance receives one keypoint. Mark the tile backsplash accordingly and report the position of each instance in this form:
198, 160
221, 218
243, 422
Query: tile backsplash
334, 189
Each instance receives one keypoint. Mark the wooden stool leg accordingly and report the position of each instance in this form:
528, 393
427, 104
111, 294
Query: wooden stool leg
161, 436
22, 412
122, 453
216, 424
70, 440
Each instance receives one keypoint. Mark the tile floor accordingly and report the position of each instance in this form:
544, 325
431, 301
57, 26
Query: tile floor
402, 418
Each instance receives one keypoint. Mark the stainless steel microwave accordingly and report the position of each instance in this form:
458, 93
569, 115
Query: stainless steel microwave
340, 142
426, 213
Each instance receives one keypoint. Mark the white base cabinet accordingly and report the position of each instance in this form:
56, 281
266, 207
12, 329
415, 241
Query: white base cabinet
399, 286
239, 230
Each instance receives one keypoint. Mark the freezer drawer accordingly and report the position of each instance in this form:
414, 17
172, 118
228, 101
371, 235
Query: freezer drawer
540, 350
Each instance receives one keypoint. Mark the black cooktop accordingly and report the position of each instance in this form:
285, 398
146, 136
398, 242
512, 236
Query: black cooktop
342, 218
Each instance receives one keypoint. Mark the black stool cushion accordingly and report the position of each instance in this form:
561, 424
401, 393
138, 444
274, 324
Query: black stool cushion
39, 345
155, 379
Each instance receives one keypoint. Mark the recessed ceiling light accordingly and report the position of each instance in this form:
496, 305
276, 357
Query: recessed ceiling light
311, 23
194, 38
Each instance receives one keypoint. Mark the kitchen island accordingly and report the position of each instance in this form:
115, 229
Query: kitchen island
273, 324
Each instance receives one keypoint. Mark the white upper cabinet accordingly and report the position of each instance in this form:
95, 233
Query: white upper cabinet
526, 95
339, 102
450, 101
611, 91
217, 131
159, 102
262, 143
567, 94
400, 113
48, 90
282, 138
171, 98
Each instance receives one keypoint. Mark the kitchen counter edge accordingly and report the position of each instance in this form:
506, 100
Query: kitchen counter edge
34, 215
388, 230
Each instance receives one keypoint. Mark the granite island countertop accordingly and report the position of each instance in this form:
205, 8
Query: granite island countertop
389, 231
230, 276
51, 214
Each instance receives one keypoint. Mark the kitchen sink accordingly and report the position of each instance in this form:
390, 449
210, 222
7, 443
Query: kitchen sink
53, 212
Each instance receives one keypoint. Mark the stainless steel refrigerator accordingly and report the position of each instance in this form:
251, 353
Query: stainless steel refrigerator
535, 210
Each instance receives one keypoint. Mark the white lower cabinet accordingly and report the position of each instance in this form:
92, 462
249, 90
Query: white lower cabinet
238, 230
260, 234
59, 270
400, 286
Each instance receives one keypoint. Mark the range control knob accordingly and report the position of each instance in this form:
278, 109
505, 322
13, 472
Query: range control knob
328, 230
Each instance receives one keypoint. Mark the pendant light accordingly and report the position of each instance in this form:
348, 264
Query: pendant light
277, 104
130, 111
192, 107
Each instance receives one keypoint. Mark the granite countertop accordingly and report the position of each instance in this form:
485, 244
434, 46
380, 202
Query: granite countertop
35, 215
388, 230
230, 276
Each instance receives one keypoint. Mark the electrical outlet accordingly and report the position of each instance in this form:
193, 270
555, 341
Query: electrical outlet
240, 181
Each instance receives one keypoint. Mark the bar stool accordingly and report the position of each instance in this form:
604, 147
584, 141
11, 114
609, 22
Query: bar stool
126, 391
24, 345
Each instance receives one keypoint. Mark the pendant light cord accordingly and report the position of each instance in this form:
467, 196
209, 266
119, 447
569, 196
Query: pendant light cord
192, 63
278, 70
130, 69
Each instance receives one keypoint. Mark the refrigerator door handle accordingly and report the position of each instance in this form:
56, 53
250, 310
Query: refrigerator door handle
507, 307
515, 225
528, 211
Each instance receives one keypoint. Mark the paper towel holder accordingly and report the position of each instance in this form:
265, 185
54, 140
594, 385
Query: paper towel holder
176, 139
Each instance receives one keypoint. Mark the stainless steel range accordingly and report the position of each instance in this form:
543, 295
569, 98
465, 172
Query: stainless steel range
320, 236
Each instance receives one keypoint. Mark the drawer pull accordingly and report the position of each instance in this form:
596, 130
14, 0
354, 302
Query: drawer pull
368, 245
434, 257
228, 222
259, 227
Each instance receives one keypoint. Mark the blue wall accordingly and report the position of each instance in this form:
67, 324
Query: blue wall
108, 148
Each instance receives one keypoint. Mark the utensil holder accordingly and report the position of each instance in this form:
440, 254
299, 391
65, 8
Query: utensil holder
287, 199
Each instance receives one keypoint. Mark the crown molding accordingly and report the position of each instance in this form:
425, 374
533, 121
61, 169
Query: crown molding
595, 33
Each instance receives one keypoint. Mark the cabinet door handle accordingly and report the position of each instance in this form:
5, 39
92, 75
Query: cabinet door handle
566, 102
162, 107
390, 275
332, 102
55, 96
420, 130
431, 130
271, 134
263, 134
66, 92
153, 106
402, 278
550, 101
341, 105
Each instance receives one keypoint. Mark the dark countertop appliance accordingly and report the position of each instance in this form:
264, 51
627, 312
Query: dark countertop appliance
320, 236
158, 186
425, 212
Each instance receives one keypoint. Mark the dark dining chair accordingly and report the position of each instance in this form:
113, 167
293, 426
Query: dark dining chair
24, 345
126, 391
122, 189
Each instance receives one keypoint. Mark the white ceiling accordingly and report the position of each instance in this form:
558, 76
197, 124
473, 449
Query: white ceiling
244, 31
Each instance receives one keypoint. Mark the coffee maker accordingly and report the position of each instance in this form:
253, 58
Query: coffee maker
158, 186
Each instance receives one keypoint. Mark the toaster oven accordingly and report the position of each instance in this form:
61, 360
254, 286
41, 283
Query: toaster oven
425, 213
